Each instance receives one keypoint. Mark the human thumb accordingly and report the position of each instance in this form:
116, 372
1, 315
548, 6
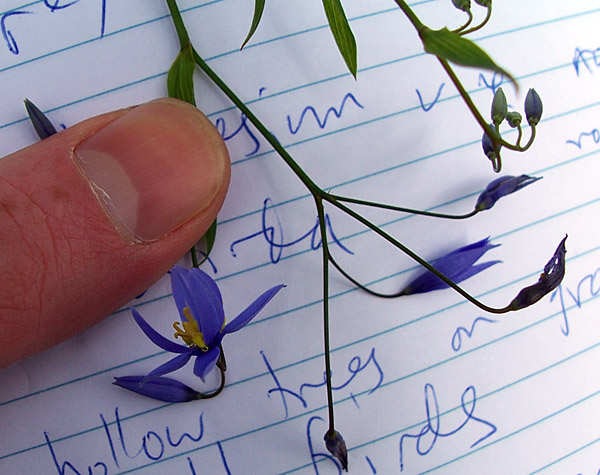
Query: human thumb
92, 216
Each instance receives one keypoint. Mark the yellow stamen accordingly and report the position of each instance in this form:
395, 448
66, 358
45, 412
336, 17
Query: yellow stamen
190, 334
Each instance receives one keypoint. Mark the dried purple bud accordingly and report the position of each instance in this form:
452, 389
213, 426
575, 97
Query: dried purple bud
499, 107
533, 107
163, 389
337, 447
500, 187
553, 274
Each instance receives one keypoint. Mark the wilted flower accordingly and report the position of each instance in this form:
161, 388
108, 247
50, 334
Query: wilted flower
163, 389
553, 274
202, 325
533, 107
499, 107
457, 266
500, 187
337, 447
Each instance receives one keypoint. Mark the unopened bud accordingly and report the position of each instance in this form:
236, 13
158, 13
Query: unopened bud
533, 107
514, 119
464, 5
499, 107
488, 146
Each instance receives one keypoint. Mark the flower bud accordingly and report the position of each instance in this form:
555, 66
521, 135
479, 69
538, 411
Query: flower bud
337, 447
484, 3
514, 119
533, 107
488, 146
464, 5
499, 107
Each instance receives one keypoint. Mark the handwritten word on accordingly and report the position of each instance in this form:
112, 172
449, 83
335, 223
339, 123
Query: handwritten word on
457, 338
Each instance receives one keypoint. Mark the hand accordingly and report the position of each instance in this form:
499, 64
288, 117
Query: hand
94, 215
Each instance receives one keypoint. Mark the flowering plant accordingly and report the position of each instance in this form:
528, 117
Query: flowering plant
202, 326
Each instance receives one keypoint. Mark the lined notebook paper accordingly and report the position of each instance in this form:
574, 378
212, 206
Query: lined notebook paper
426, 384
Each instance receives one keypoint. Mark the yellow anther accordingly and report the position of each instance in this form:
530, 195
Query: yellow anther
190, 334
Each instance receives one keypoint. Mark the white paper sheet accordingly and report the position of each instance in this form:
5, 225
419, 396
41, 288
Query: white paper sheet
516, 393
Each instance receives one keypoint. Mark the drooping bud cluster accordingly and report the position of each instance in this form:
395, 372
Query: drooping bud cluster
499, 112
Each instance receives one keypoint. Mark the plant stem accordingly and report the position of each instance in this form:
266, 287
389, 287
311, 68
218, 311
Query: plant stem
403, 209
325, 252
416, 258
413, 18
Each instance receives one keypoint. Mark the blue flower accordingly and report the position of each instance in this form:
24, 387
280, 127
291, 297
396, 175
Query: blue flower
163, 389
202, 325
553, 274
500, 187
457, 265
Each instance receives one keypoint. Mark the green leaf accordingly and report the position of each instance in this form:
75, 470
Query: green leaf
342, 33
180, 80
209, 240
459, 50
259, 6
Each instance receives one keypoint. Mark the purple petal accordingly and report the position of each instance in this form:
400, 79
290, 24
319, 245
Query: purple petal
156, 337
195, 289
243, 318
172, 365
205, 362
458, 265
163, 389
456, 262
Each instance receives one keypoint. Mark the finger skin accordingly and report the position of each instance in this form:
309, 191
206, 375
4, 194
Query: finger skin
64, 264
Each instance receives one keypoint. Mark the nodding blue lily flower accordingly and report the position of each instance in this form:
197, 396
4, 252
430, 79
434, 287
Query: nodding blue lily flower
202, 325
553, 274
457, 265
505, 185
163, 389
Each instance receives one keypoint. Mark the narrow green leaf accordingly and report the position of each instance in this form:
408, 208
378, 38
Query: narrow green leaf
209, 240
342, 33
259, 6
459, 50
180, 80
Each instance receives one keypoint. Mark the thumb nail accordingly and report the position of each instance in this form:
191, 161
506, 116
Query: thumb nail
154, 168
